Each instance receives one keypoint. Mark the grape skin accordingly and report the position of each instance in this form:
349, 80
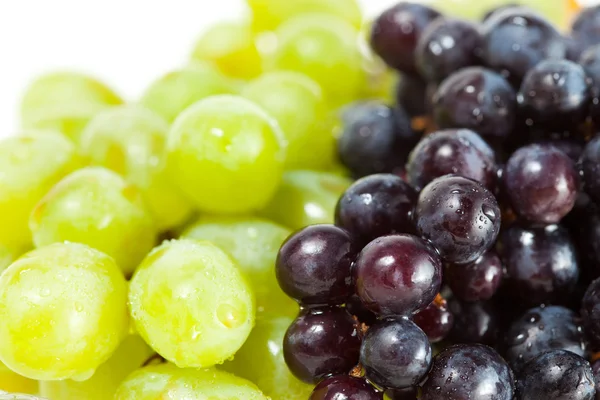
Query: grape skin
253, 243
130, 140
81, 309
97, 207
166, 381
65, 102
29, 169
229, 147
190, 302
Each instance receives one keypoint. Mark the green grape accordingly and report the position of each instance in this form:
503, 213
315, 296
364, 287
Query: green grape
64, 311
130, 140
8, 255
379, 81
190, 302
326, 49
65, 101
306, 198
95, 206
226, 154
129, 356
31, 164
12, 382
177, 90
253, 243
298, 104
231, 46
166, 381
269, 14
261, 361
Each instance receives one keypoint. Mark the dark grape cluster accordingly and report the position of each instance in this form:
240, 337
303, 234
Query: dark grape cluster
476, 238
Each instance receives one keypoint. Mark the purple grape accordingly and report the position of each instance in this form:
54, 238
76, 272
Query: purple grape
397, 275
412, 96
454, 151
541, 183
460, 217
572, 148
375, 138
314, 265
516, 39
402, 394
395, 354
590, 61
542, 329
541, 264
590, 313
445, 46
555, 94
590, 166
585, 28
435, 320
397, 30
321, 342
345, 387
575, 48
557, 374
478, 99
375, 206
474, 322
471, 371
475, 281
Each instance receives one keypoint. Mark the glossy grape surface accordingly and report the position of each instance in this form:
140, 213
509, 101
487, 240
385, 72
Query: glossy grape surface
65, 312
590, 313
396, 32
229, 147
300, 107
343, 387
460, 217
130, 140
590, 166
323, 47
377, 205
475, 281
542, 329
555, 94
97, 207
541, 264
253, 243
167, 381
516, 39
558, 374
321, 342
454, 151
395, 354
435, 320
469, 372
447, 45
478, 99
397, 275
190, 302
314, 265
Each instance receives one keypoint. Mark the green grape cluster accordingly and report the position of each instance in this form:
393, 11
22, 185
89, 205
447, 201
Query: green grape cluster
139, 262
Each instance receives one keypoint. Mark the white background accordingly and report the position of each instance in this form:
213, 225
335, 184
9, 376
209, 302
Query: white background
126, 43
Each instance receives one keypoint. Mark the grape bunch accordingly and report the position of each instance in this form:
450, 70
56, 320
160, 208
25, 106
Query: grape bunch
317, 207
463, 260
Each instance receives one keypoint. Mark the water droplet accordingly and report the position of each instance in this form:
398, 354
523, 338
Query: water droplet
78, 307
45, 292
232, 315
489, 212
